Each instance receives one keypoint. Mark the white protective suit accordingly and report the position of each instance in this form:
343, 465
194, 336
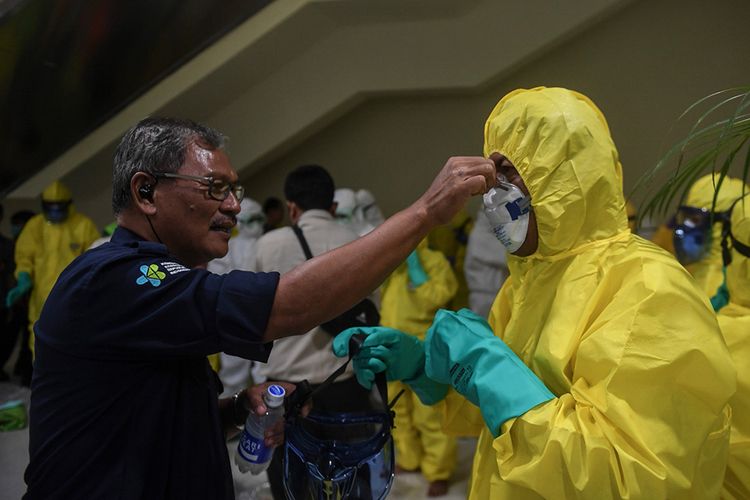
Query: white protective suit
234, 371
485, 266
347, 211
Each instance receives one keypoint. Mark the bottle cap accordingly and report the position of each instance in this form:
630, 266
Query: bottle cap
275, 396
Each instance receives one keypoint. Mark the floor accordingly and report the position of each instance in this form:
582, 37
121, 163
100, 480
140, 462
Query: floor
14, 456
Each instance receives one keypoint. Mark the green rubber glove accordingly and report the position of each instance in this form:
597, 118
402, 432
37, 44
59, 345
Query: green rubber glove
462, 350
23, 285
721, 298
399, 355
417, 274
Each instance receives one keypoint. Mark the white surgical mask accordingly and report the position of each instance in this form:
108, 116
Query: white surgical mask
507, 209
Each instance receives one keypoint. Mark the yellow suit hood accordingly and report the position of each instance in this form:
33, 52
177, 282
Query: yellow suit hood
576, 179
56, 192
708, 271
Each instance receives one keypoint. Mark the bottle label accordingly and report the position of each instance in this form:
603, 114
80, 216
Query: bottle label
253, 450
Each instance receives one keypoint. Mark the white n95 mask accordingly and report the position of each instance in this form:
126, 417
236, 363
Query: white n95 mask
507, 209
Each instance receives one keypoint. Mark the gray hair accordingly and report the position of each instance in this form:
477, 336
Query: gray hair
156, 145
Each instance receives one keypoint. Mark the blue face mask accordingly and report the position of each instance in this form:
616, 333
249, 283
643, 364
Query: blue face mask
55, 212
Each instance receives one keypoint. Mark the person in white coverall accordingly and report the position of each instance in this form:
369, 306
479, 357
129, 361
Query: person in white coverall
347, 213
485, 266
367, 208
234, 371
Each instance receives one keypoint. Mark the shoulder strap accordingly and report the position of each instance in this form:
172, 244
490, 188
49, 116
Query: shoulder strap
302, 241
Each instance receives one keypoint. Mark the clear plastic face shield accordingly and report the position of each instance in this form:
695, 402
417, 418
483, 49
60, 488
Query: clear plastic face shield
339, 456
507, 209
332, 456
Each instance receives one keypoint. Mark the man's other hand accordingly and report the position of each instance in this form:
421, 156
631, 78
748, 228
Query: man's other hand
254, 397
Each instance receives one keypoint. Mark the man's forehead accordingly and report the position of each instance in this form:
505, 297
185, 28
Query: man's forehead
208, 162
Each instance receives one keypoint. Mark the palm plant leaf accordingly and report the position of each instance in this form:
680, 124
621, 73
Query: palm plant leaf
716, 141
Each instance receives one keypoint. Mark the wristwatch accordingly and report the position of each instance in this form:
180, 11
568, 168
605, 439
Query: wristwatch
239, 411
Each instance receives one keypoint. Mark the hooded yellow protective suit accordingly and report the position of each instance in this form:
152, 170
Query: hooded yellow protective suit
708, 272
734, 320
44, 249
611, 324
420, 440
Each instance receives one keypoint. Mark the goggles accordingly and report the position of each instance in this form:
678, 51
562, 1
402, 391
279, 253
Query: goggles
55, 211
692, 236
332, 456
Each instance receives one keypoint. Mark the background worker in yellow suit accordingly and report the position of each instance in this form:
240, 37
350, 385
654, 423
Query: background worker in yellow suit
48, 243
697, 237
602, 373
411, 296
734, 320
452, 239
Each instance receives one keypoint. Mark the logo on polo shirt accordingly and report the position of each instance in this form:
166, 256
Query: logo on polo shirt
151, 274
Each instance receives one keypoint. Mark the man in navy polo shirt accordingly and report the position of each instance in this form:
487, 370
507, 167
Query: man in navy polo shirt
124, 404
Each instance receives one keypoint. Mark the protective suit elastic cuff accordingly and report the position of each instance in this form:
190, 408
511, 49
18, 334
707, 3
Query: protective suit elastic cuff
429, 391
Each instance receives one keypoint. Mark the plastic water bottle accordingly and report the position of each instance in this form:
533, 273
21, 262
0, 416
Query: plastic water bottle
252, 454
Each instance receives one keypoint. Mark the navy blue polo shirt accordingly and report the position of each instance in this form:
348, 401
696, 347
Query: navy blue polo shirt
123, 401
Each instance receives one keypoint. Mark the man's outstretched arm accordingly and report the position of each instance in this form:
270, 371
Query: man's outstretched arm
323, 287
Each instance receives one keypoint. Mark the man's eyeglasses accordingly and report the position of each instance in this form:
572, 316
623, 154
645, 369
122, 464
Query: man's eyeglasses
218, 190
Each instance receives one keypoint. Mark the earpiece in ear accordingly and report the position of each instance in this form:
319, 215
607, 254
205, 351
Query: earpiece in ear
146, 191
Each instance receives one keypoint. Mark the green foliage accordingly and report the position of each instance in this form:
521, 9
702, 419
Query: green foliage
718, 139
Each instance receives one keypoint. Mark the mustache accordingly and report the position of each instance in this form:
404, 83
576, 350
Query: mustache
224, 221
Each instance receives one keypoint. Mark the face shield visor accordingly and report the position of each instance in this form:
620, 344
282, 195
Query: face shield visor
692, 234
339, 455
335, 456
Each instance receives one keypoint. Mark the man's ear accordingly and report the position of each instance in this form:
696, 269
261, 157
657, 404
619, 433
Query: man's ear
142, 188
294, 211
333, 208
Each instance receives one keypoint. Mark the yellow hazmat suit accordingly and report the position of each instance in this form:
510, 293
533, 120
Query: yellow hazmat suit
420, 440
44, 249
734, 320
452, 239
611, 324
708, 272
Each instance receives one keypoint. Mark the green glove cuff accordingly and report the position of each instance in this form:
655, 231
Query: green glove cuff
462, 350
23, 285
721, 298
428, 391
417, 274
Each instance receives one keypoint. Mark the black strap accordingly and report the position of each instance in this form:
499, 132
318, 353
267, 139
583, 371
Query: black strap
304, 393
302, 241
